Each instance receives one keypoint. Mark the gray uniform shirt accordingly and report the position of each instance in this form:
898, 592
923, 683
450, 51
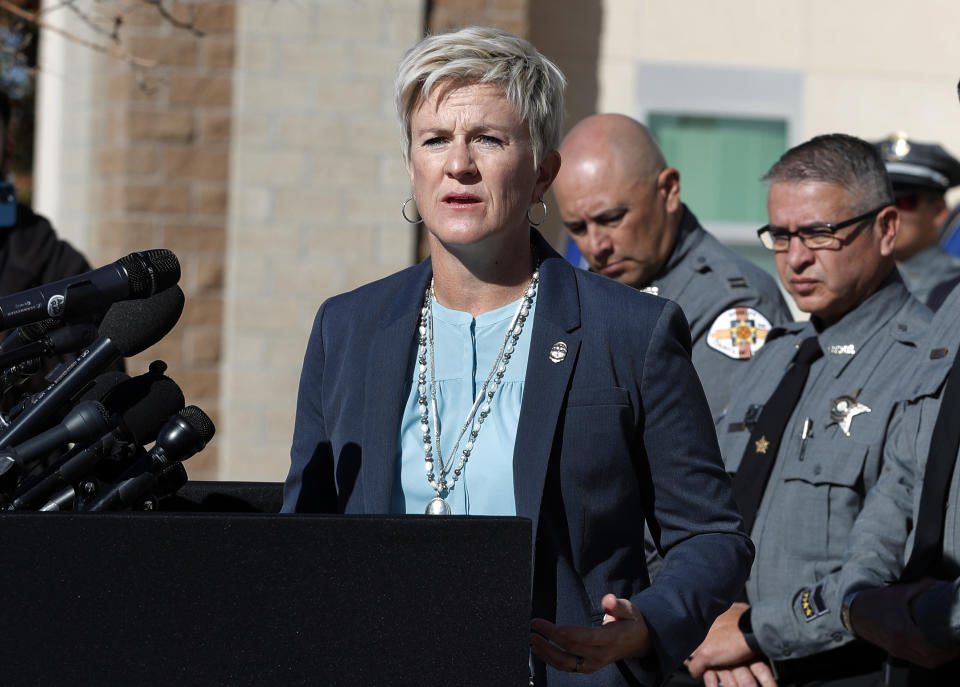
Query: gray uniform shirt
931, 266
821, 474
882, 538
709, 282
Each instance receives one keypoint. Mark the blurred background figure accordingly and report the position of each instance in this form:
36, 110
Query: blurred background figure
921, 173
30, 252
621, 204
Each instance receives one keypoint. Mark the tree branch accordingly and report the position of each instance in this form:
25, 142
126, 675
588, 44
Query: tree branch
33, 18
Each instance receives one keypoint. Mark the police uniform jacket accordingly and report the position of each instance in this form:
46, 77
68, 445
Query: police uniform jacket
710, 283
928, 268
821, 474
616, 432
882, 538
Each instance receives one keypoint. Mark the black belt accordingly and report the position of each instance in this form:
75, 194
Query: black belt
849, 660
899, 673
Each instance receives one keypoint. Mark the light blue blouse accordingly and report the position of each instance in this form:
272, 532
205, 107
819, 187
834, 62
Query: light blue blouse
465, 348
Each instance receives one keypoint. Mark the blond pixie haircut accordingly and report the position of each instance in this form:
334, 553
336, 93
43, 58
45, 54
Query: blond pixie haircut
532, 84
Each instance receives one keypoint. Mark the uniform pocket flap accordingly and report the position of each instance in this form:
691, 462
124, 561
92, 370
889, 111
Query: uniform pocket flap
828, 462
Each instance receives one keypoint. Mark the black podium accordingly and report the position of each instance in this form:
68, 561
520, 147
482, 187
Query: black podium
180, 598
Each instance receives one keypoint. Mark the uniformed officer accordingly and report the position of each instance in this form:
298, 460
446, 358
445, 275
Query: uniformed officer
918, 618
805, 433
921, 173
621, 204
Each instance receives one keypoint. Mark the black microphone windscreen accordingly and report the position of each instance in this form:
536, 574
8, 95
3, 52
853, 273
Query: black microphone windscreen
134, 326
102, 386
145, 403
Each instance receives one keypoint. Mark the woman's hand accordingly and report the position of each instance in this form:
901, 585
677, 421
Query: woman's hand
624, 634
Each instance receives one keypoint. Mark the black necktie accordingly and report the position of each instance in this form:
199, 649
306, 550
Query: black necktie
928, 540
751, 477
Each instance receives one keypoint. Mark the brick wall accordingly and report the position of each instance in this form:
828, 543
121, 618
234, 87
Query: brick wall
566, 31
314, 205
144, 163
509, 15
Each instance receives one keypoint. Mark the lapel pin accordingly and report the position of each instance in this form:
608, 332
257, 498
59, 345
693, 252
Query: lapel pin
558, 352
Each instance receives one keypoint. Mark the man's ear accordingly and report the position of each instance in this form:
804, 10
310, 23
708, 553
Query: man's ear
943, 211
889, 222
668, 187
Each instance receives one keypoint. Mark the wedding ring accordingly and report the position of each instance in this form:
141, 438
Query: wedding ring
579, 667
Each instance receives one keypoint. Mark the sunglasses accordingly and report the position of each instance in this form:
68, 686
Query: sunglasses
907, 202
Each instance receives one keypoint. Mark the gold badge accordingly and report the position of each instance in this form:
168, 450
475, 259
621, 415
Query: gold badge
761, 445
844, 408
558, 352
896, 147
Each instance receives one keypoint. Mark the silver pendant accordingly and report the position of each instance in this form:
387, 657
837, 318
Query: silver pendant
437, 506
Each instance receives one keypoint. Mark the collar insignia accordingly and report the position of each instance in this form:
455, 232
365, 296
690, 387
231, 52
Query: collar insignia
652, 290
761, 445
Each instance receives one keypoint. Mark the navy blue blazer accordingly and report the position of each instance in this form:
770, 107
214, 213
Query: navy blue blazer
616, 433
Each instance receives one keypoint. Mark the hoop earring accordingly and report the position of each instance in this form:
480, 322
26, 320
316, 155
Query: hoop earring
403, 211
544, 206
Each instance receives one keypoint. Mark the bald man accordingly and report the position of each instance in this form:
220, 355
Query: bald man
621, 204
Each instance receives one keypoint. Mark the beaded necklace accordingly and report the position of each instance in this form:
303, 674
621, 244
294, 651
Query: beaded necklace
448, 473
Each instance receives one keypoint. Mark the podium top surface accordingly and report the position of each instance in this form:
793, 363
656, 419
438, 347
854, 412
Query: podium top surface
210, 598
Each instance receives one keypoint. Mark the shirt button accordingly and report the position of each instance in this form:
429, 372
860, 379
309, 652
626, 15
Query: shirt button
817, 469
836, 636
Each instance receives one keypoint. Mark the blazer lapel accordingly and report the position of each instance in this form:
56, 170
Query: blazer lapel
385, 385
556, 319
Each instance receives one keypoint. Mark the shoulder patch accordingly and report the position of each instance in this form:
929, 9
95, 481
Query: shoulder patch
738, 332
811, 602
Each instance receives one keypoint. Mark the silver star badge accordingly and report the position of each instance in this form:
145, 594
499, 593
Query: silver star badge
844, 408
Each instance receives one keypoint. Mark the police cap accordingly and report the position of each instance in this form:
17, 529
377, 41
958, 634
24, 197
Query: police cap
914, 166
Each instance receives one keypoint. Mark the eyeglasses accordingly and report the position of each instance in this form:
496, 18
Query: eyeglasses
814, 236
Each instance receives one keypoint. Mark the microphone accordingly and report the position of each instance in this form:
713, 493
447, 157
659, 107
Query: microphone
28, 333
85, 422
62, 500
65, 339
147, 401
184, 435
128, 328
133, 489
138, 275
